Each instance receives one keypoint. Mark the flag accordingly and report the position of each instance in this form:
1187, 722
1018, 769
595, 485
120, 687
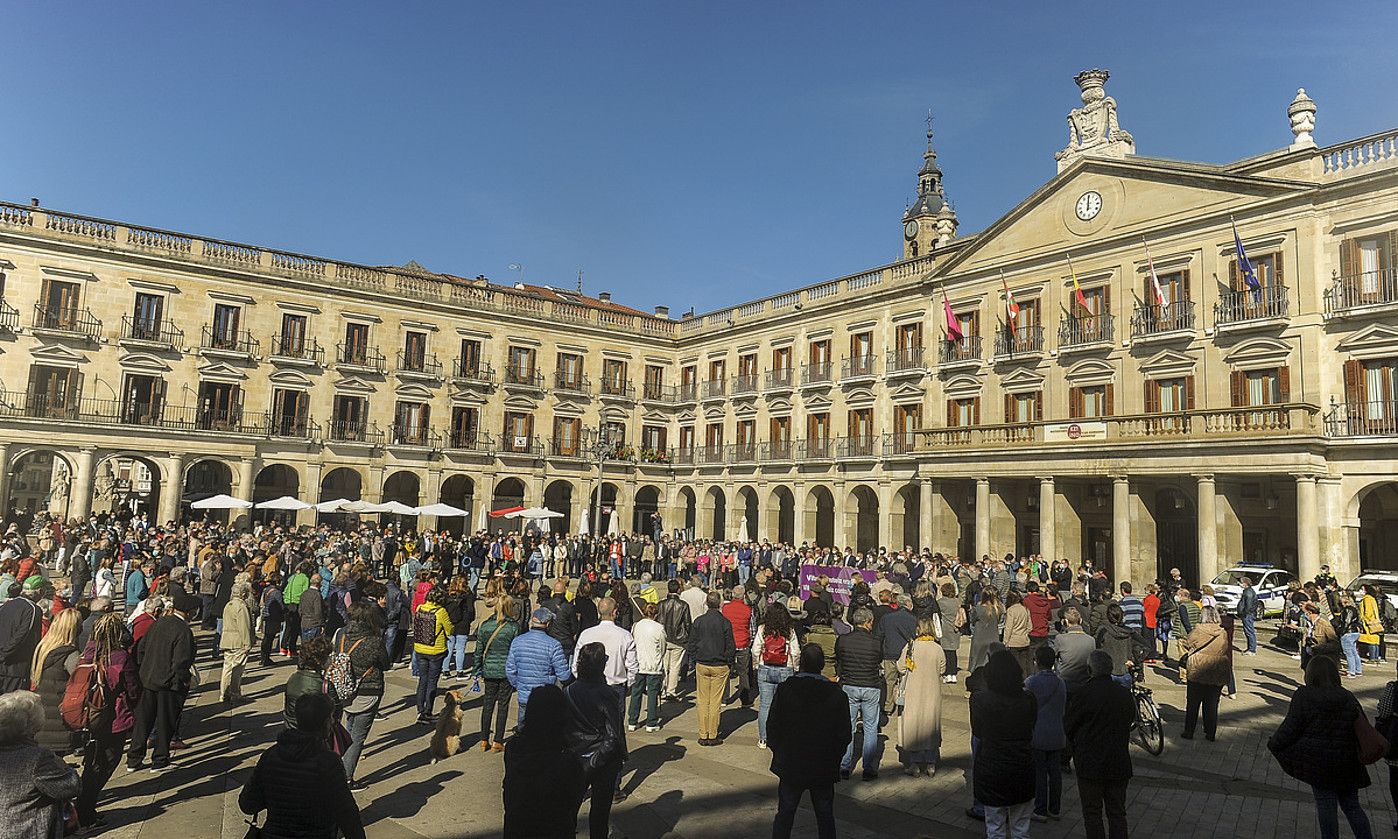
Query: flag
1154, 280
954, 332
1011, 307
1077, 289
1245, 265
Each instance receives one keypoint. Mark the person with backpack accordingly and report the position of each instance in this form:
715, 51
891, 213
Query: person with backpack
355, 671
431, 628
105, 699
460, 604
55, 660
777, 652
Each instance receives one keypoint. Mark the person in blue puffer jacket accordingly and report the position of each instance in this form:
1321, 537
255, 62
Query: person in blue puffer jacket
536, 659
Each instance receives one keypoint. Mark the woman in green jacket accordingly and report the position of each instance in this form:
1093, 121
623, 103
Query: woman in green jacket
309, 678
493, 640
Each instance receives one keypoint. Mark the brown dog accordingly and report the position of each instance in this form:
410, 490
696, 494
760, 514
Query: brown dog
447, 739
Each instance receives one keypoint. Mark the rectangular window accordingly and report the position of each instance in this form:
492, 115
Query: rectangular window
519, 431
818, 427
970, 323
53, 391
717, 369
614, 376
569, 371
293, 337
747, 365
220, 406
713, 436
781, 358
910, 336
60, 304
687, 438
465, 425
520, 368
907, 419
861, 423
415, 351
225, 326
146, 316
615, 433
653, 440
1174, 286
567, 434
141, 399
356, 350
820, 352
410, 421
964, 413
1028, 314
781, 429
470, 358
1090, 402
348, 417
655, 381
689, 374
1023, 407
290, 409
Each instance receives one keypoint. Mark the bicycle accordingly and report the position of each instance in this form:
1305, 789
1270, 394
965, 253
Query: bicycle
1147, 727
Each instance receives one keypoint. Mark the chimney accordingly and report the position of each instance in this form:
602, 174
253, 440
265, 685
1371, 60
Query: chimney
662, 311
604, 296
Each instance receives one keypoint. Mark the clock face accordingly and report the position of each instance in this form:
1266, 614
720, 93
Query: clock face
1089, 205
910, 229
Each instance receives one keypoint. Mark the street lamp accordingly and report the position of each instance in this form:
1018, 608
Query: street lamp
600, 449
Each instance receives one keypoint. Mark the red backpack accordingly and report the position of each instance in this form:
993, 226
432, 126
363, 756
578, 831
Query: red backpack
85, 697
774, 650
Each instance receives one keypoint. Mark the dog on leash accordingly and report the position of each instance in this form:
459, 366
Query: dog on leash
447, 739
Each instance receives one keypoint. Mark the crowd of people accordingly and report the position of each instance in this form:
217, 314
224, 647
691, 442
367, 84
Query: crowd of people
592, 638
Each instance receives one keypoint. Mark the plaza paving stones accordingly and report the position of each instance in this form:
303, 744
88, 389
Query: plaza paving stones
677, 789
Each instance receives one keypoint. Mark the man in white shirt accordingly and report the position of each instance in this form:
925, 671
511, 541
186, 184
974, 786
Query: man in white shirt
694, 597
620, 646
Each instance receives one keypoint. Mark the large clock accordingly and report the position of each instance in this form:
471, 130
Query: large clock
910, 229
1089, 205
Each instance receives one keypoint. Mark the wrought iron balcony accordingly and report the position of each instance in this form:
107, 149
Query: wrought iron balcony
526, 444
1358, 291
1240, 307
1025, 340
821, 448
964, 350
715, 389
745, 384
858, 367
780, 378
778, 450
298, 349
9, 318
360, 355
151, 331
866, 446
420, 365
905, 360
416, 436
658, 392
900, 442
688, 392
710, 454
742, 452
289, 424
468, 439
617, 389
571, 382
355, 431
229, 340
1078, 331
816, 374
69, 320
1153, 319
1374, 418
516, 376
473, 370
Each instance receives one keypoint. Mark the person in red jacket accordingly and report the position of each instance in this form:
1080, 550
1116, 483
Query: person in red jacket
739, 613
1151, 602
1040, 613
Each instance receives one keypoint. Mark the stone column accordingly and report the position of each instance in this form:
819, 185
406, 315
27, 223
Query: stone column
1208, 529
432, 494
886, 518
247, 471
485, 493
1048, 521
172, 488
982, 517
373, 490
80, 495
580, 511
799, 532
924, 515
1307, 531
841, 517
310, 493
4, 479
1121, 529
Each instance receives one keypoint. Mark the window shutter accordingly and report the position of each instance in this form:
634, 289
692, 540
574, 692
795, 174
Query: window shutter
1038, 406
1009, 408
1106, 305
1354, 382
1184, 285
1349, 258
157, 401
1277, 270
1189, 393
951, 413
976, 411
1107, 408
1074, 402
1389, 252
1284, 384
1235, 277
1151, 401
1237, 388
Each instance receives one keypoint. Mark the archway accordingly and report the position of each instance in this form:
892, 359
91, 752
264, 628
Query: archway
203, 479
558, 496
405, 488
39, 480
647, 507
271, 482
747, 509
127, 485
691, 511
601, 521
341, 483
862, 512
1176, 534
714, 514
820, 517
508, 493
905, 524
779, 523
458, 491
1378, 528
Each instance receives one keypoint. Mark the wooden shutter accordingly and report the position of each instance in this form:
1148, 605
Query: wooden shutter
1349, 258
976, 411
1009, 407
1189, 393
1038, 405
1074, 402
1237, 388
157, 401
1152, 397
951, 413
1186, 296
1235, 277
1277, 270
1354, 382
1284, 384
1389, 252
1107, 408
1106, 305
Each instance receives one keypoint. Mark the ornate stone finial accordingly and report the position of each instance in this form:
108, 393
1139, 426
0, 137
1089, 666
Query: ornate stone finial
1302, 113
1093, 128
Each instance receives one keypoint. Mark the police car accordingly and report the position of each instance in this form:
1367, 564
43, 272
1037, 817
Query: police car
1385, 582
1269, 583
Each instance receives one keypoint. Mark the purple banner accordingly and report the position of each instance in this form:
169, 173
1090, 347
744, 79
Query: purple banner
841, 580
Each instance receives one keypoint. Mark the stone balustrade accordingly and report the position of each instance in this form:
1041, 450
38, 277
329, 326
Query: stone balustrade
1364, 153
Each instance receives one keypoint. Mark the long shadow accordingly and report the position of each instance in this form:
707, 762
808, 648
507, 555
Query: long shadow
408, 800
648, 760
731, 720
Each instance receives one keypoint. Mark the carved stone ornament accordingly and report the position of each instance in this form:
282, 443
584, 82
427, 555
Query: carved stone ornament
1093, 128
1301, 111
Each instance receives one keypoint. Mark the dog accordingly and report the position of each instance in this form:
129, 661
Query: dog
447, 739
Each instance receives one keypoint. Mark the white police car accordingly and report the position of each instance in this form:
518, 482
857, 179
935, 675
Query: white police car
1386, 582
1269, 583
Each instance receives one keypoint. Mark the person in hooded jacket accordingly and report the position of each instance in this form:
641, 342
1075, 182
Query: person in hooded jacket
1316, 744
1122, 643
595, 733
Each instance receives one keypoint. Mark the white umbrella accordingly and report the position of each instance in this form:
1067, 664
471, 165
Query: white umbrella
584, 528
483, 524
286, 502
221, 502
613, 523
534, 513
441, 510
359, 506
398, 508
744, 531
336, 505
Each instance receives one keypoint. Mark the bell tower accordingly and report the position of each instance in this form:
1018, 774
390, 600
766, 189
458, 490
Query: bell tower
929, 221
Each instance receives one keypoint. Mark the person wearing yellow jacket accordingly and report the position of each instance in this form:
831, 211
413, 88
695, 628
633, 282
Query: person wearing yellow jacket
431, 629
1371, 624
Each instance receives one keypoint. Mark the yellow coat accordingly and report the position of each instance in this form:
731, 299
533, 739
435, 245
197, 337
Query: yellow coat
1369, 622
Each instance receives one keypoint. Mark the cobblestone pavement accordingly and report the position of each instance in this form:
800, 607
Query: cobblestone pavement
1195, 789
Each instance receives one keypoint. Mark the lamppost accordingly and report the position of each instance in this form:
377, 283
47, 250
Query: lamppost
600, 449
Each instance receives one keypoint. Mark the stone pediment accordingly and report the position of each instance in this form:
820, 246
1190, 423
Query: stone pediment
1021, 380
467, 398
714, 413
960, 387
1258, 352
354, 384
290, 378
57, 355
138, 362
746, 411
905, 392
817, 402
1136, 195
687, 415
653, 415
519, 402
778, 404
613, 414
1167, 363
1093, 371
414, 392
222, 372
1377, 341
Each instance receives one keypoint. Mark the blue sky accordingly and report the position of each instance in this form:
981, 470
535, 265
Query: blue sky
689, 154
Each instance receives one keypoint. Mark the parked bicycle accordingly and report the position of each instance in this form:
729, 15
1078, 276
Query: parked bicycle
1148, 728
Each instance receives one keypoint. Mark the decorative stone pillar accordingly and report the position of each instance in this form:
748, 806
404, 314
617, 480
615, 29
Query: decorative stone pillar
247, 471
982, 517
1208, 529
486, 495
80, 496
1307, 531
886, 518
924, 515
172, 489
1121, 529
310, 493
1048, 521
373, 490
841, 517
432, 494
799, 533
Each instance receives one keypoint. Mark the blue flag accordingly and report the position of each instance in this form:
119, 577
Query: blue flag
1245, 265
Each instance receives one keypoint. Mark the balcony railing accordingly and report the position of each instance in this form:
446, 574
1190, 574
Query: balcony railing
745, 384
961, 351
9, 317
355, 431
1024, 340
1363, 419
858, 367
145, 413
1267, 303
688, 392
863, 446
780, 378
658, 392
1075, 331
900, 442
521, 444
417, 436
818, 449
298, 349
566, 448
524, 377
422, 365
468, 440
71, 320
229, 340
684, 456
359, 355
742, 452
905, 359
817, 373
571, 383
714, 388
1153, 319
289, 425
617, 389
778, 450
151, 331
1369, 288
472, 371
710, 454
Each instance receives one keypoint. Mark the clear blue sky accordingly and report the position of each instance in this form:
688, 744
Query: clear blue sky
692, 154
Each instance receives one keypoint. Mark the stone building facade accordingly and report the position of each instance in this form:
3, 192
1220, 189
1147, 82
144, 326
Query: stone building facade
1094, 375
